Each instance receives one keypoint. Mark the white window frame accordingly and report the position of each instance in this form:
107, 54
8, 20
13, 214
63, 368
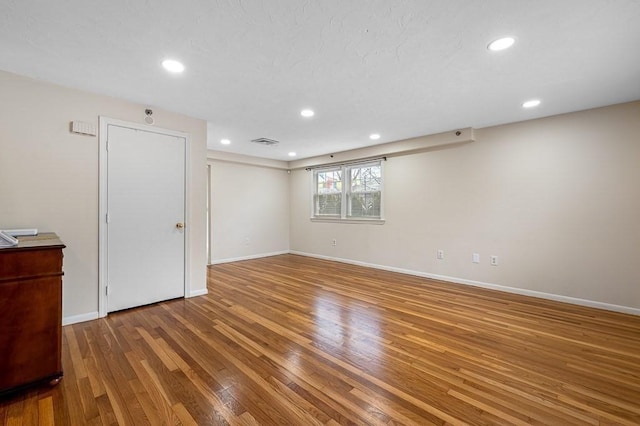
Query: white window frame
346, 192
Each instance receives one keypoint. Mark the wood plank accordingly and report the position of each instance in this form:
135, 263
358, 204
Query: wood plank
45, 412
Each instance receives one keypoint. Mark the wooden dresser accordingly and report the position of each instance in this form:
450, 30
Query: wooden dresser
30, 312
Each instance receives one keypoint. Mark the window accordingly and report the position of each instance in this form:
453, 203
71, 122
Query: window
348, 192
328, 197
365, 184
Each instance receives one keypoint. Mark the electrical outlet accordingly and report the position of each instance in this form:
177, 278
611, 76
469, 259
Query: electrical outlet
440, 255
333, 242
475, 258
494, 260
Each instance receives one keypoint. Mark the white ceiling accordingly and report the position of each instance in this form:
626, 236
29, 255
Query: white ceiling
401, 68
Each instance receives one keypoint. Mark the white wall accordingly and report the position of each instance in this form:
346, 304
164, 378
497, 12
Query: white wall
557, 199
49, 177
249, 211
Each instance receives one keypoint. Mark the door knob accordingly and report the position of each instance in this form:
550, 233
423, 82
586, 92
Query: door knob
180, 225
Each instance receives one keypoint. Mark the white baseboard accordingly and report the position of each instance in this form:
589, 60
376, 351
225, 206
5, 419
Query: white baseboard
74, 319
253, 256
514, 290
201, 292
80, 318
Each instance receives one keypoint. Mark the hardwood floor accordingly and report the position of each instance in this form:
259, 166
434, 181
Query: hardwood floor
301, 341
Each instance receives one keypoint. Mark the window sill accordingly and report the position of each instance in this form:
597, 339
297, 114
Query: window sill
340, 220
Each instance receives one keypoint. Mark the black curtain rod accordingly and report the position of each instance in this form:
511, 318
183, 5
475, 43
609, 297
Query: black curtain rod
346, 163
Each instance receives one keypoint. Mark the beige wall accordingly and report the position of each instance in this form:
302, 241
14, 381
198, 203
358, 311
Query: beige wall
557, 199
249, 211
49, 177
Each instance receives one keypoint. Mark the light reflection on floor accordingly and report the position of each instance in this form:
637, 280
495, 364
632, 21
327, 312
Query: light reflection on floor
349, 330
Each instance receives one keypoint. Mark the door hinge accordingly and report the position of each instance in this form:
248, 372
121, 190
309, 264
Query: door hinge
107, 290
106, 217
107, 146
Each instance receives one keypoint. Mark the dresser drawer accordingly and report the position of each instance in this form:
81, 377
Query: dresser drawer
23, 264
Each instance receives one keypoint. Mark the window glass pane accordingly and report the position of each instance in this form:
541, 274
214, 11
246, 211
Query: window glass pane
329, 182
366, 178
329, 204
365, 204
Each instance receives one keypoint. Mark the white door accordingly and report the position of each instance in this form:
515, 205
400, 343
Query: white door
145, 217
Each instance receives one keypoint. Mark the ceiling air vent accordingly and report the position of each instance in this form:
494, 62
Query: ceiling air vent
265, 141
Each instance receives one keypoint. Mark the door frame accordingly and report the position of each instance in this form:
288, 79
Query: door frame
103, 260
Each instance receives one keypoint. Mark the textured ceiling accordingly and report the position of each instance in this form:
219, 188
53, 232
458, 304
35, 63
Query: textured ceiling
398, 68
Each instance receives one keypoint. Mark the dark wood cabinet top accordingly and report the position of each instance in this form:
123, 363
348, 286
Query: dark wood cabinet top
42, 240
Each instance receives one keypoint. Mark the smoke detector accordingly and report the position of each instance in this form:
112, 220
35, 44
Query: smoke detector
265, 141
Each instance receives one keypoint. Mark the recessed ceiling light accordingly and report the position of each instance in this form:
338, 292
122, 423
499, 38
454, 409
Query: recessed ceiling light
307, 113
292, 154
531, 104
374, 136
172, 66
225, 141
501, 44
